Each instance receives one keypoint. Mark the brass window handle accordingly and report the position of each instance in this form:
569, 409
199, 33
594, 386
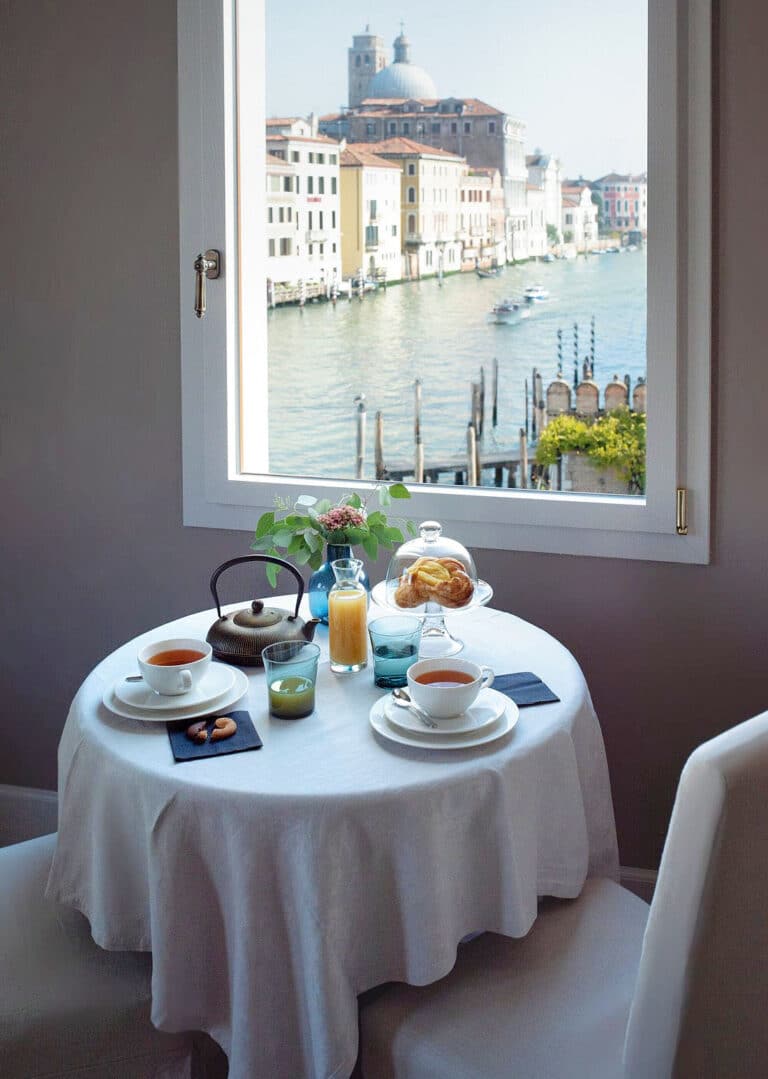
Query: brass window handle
207, 265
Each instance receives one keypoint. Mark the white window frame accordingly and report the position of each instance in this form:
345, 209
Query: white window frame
218, 494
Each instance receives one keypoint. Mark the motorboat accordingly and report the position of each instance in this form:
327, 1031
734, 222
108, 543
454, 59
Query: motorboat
549, 257
494, 271
536, 294
508, 311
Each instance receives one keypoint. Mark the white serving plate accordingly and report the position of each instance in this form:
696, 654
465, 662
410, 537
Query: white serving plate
168, 715
217, 680
431, 740
487, 708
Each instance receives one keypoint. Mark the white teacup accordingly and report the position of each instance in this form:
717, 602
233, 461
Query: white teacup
174, 666
452, 694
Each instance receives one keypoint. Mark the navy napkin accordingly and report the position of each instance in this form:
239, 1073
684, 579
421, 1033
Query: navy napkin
524, 688
184, 749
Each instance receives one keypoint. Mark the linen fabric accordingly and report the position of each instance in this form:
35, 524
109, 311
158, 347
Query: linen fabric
66, 1007
274, 887
553, 1005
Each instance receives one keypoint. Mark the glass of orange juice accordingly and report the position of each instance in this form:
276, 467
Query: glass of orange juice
347, 617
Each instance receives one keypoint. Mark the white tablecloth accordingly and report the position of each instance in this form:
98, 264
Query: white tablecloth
274, 886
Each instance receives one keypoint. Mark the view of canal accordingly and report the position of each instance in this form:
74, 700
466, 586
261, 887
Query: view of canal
322, 356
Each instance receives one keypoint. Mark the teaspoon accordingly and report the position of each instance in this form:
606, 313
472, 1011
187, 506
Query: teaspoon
402, 698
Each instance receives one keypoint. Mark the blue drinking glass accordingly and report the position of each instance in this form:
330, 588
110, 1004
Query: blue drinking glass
395, 641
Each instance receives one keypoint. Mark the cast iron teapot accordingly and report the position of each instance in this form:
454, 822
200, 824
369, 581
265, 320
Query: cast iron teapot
240, 636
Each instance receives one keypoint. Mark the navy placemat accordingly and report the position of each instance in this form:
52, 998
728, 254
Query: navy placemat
184, 749
524, 688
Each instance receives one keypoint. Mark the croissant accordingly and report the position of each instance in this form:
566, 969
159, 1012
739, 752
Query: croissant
441, 580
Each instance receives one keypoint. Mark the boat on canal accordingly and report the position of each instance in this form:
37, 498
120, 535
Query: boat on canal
508, 311
494, 271
536, 294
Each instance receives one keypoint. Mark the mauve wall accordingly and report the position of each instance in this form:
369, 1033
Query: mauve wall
93, 546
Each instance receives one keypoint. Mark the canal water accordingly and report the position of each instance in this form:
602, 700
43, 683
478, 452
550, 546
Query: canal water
322, 356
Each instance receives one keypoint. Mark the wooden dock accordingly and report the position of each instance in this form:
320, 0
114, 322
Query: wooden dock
504, 464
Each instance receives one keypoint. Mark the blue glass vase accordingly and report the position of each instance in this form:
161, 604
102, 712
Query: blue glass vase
323, 580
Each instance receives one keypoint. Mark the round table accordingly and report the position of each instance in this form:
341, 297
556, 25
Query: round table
273, 886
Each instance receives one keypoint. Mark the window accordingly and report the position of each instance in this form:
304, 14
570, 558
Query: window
310, 185
454, 128
271, 248
285, 246
411, 169
392, 127
467, 127
370, 128
321, 185
435, 128
491, 127
294, 155
406, 127
411, 194
222, 485
411, 224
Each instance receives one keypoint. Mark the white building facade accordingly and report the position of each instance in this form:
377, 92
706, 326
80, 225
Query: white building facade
315, 163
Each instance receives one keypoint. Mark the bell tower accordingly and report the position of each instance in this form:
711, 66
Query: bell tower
366, 57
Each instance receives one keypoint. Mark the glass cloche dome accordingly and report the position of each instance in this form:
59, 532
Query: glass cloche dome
431, 572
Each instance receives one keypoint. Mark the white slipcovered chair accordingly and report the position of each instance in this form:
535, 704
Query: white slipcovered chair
603, 986
68, 1008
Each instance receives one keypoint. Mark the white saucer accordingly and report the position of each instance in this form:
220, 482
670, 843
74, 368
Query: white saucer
487, 708
431, 740
216, 681
167, 715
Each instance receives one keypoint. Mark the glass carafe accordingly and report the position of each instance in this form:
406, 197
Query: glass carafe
347, 617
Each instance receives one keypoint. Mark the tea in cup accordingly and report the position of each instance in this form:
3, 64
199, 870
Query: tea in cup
174, 666
445, 688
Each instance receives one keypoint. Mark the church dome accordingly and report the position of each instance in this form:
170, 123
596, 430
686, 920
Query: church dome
402, 80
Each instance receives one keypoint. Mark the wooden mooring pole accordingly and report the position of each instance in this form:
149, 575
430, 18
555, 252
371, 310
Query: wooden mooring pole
378, 450
361, 416
471, 455
481, 416
523, 458
495, 413
418, 468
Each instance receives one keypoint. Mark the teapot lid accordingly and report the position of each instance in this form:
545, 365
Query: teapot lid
257, 616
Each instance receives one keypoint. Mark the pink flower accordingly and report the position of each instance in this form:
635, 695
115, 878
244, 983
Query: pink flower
341, 517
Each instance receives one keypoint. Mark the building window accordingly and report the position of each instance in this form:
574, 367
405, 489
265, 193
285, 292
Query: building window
320, 220
467, 127
411, 224
270, 214
394, 230
333, 219
454, 127
332, 159
491, 127
333, 185
285, 246
392, 127
411, 169
294, 155
435, 128
411, 194
310, 185
321, 185
406, 127
370, 128
272, 248
678, 324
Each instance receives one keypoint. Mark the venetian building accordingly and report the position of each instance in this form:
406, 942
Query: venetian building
370, 77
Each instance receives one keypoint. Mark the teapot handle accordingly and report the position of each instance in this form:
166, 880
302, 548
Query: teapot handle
256, 558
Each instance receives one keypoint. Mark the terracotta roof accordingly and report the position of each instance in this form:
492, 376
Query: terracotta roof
360, 154
571, 200
471, 106
277, 121
617, 177
573, 189
331, 116
302, 138
273, 160
402, 146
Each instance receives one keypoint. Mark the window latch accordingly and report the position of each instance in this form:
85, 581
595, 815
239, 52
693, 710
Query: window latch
206, 266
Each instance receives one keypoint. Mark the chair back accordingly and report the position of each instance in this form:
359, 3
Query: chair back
702, 986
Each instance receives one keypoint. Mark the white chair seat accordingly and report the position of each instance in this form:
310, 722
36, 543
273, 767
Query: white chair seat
552, 1005
66, 1006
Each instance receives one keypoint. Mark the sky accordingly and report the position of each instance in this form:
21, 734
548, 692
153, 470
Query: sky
575, 73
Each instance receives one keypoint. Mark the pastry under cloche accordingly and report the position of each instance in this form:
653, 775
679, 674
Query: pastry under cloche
431, 569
